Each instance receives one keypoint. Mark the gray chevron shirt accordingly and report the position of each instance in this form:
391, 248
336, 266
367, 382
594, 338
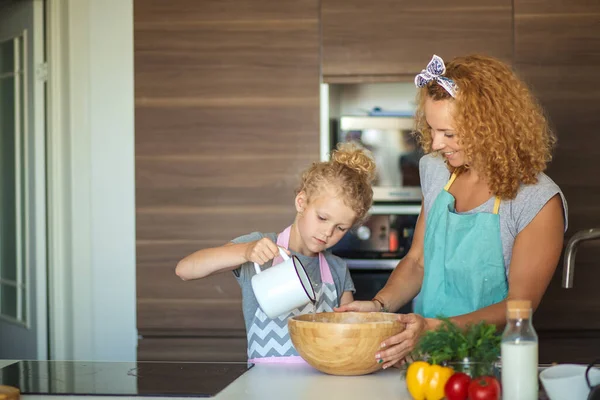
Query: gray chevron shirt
339, 272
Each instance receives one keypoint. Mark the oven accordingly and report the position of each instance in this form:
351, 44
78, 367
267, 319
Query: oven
395, 150
373, 250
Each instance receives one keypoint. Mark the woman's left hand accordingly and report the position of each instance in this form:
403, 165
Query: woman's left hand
396, 348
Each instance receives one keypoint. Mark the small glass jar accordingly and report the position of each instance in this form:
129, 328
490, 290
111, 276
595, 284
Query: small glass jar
476, 368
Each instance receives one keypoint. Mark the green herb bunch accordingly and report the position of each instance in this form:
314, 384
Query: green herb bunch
448, 343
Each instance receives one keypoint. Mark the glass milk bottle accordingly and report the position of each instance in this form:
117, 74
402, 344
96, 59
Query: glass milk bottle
519, 352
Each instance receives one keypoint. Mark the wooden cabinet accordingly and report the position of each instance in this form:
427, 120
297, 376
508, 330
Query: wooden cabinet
227, 116
557, 51
383, 40
192, 348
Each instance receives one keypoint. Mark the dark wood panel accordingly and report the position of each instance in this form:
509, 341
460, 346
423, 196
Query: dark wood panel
567, 165
166, 253
235, 50
557, 50
576, 43
196, 317
577, 308
282, 193
220, 186
161, 282
388, 37
553, 7
279, 171
194, 72
193, 12
192, 349
205, 222
568, 347
548, 80
227, 116
572, 113
554, 54
232, 131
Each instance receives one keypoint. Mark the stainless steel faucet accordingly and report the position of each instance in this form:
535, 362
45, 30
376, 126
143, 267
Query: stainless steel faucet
571, 249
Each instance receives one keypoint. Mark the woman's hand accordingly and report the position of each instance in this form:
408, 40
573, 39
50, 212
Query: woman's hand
396, 348
360, 306
262, 250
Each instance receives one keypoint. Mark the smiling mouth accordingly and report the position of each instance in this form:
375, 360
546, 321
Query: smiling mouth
321, 241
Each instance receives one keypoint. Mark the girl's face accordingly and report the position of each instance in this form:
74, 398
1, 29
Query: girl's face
322, 222
443, 134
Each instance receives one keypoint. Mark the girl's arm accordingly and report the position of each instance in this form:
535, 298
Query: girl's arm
228, 257
347, 297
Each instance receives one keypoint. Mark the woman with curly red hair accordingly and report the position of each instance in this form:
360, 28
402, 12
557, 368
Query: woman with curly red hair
492, 223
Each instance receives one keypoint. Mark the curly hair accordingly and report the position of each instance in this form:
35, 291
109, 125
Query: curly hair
499, 124
349, 173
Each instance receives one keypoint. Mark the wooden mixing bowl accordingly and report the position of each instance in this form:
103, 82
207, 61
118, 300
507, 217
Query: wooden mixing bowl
342, 343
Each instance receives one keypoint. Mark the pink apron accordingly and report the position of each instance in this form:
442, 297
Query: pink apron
268, 339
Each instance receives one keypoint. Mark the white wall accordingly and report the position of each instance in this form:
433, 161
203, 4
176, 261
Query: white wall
91, 180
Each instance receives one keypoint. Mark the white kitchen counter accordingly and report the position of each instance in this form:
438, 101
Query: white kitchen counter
293, 382
296, 382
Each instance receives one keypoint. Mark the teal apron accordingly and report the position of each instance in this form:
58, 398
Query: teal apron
464, 264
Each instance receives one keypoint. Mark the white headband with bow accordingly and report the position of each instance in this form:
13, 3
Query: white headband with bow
434, 71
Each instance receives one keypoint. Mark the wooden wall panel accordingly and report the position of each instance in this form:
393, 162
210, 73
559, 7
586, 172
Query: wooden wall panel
227, 116
193, 349
557, 50
390, 38
229, 130
205, 307
569, 347
578, 308
217, 12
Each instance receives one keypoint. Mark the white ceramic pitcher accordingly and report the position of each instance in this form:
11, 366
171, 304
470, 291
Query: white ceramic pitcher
283, 287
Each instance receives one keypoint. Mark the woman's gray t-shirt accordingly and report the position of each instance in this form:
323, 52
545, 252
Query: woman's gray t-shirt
243, 274
514, 214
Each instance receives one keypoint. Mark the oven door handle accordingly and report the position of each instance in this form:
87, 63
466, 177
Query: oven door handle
358, 264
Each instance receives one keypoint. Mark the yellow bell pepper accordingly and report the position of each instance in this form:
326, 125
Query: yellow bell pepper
426, 381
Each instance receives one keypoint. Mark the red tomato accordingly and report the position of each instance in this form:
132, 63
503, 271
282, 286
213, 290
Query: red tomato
484, 388
457, 387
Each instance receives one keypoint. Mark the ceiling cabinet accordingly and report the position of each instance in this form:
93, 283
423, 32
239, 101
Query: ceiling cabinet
385, 40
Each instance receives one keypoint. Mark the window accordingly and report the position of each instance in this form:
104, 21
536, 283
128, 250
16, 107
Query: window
13, 289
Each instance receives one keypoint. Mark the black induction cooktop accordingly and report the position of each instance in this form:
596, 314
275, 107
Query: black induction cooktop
143, 378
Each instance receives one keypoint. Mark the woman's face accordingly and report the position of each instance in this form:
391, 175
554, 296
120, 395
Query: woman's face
443, 135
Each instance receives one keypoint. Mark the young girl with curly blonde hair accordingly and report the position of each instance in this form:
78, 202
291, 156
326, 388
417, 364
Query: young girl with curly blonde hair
492, 223
333, 196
